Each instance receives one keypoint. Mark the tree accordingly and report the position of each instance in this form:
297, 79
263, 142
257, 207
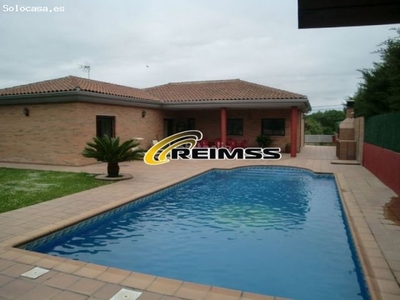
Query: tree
109, 149
323, 122
379, 91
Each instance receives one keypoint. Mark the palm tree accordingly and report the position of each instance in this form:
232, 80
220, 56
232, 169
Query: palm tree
109, 149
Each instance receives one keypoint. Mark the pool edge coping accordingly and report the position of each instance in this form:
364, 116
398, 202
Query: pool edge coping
367, 269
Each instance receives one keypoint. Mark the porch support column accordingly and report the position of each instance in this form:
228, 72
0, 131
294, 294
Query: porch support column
293, 132
223, 126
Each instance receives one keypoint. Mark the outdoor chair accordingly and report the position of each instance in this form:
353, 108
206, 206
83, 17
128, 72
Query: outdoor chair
231, 144
242, 144
217, 143
203, 143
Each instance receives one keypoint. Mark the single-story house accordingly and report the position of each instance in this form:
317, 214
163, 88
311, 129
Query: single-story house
49, 122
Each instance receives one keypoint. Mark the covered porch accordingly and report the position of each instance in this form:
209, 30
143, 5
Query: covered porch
234, 127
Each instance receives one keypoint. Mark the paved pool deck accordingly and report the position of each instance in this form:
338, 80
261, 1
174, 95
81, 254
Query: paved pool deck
377, 236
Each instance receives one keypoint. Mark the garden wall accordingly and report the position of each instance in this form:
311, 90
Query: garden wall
382, 149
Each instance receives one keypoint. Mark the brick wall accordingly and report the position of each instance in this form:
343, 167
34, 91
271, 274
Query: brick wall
57, 133
384, 164
128, 121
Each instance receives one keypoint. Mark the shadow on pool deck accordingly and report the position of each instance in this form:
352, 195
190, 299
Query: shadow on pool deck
377, 238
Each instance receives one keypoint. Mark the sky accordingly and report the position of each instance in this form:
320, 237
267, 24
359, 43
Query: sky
143, 43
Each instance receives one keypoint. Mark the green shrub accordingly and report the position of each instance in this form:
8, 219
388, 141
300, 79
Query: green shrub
264, 140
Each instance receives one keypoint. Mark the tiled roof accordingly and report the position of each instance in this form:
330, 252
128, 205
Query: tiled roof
73, 83
235, 89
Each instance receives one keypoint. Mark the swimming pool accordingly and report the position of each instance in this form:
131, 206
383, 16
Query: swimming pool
270, 230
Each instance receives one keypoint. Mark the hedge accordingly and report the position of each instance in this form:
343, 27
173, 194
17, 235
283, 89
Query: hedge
384, 131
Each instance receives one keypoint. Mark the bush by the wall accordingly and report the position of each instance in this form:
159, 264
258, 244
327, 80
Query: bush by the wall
384, 131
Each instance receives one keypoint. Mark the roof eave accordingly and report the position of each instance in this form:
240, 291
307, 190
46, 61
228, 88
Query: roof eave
77, 96
301, 103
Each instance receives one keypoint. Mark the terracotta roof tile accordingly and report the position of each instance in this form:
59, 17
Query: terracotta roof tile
73, 83
235, 89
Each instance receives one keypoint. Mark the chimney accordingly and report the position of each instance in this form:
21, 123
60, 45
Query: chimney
350, 109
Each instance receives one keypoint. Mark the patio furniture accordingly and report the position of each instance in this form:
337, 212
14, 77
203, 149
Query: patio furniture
242, 144
231, 144
202, 143
217, 143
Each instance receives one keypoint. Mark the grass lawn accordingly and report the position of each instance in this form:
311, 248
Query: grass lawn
20, 188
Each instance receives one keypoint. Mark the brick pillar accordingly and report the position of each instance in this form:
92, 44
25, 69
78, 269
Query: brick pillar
223, 126
293, 132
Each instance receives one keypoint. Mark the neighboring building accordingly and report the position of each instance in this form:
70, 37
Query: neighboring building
49, 122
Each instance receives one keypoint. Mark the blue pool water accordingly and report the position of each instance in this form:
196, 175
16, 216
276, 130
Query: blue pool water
269, 230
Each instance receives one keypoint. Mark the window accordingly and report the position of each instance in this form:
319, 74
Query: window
273, 127
191, 124
234, 126
105, 125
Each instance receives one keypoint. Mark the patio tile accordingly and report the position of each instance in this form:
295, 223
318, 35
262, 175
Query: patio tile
114, 275
49, 262
61, 215
378, 262
16, 269
13, 230
165, 286
107, 291
138, 281
4, 264
397, 275
91, 271
41, 292
373, 252
66, 295
216, 296
86, 286
49, 220
392, 255
15, 289
32, 224
61, 281
395, 266
388, 286
383, 274
69, 266
192, 291
149, 296
370, 244
29, 259
223, 294
390, 297
12, 254
14, 222
170, 298
43, 278
5, 279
